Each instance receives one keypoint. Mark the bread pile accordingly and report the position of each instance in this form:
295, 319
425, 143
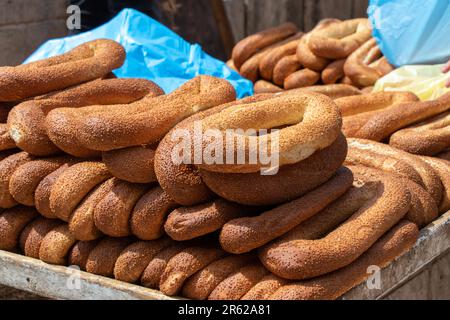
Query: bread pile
282, 58
87, 178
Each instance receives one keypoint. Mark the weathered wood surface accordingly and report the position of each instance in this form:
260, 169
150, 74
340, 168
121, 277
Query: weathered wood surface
250, 16
420, 273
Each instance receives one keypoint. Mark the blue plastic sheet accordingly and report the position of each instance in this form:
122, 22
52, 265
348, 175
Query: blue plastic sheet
154, 52
412, 31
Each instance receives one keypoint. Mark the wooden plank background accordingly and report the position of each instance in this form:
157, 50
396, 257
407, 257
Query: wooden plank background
250, 16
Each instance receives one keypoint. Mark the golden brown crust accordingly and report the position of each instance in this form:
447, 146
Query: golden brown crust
12, 223
128, 125
149, 214
73, 185
88, 61
26, 178
187, 223
263, 86
182, 182
442, 169
265, 288
134, 164
291, 181
332, 285
56, 245
339, 40
200, 285
301, 78
245, 48
43, 191
7, 168
425, 138
134, 259
6, 142
26, 121
334, 91
284, 68
184, 264
112, 213
268, 62
386, 204
33, 234
389, 159
333, 72
152, 273
103, 257
245, 234
81, 221
297, 141
235, 286
362, 66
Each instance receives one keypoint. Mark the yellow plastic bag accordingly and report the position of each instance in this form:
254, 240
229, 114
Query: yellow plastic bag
426, 81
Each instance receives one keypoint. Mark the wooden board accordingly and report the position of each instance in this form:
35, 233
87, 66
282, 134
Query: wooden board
58, 282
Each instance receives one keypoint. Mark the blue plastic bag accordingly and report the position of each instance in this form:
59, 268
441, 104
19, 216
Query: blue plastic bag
412, 31
154, 52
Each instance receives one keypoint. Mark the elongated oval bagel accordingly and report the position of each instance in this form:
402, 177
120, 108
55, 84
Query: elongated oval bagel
245, 234
12, 223
134, 164
26, 178
235, 286
81, 221
313, 123
26, 121
88, 61
425, 138
33, 234
184, 264
142, 122
301, 78
383, 124
358, 65
187, 223
149, 214
416, 169
339, 40
135, 258
56, 245
333, 72
291, 181
245, 48
201, 284
332, 285
103, 257
182, 182
79, 253
73, 185
112, 213
7, 168
388, 204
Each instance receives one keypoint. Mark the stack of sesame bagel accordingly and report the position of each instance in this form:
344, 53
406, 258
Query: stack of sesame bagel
334, 52
110, 175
